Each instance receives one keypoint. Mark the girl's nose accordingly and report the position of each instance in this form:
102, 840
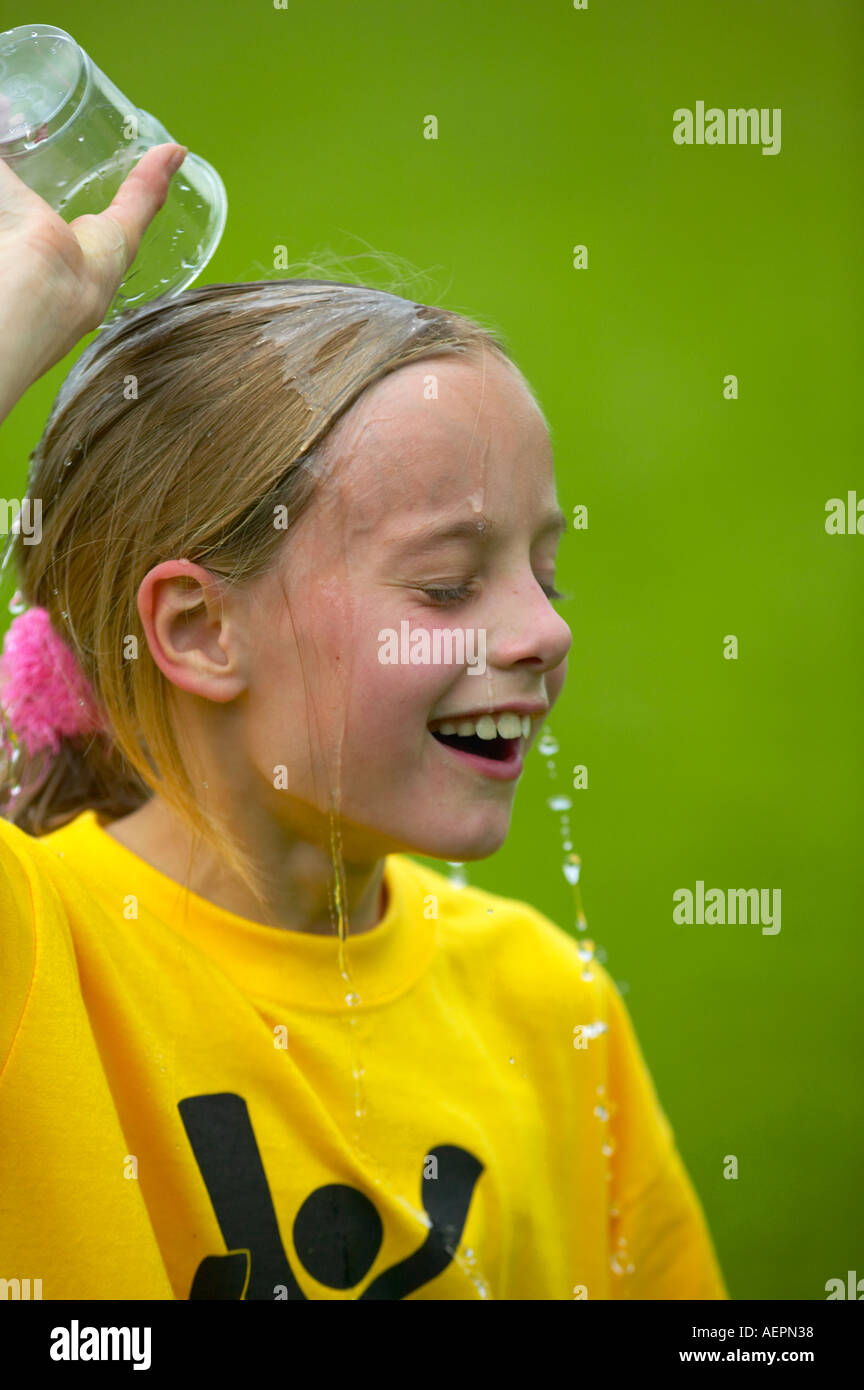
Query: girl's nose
528, 629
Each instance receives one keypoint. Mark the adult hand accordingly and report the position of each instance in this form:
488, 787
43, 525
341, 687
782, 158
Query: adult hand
58, 279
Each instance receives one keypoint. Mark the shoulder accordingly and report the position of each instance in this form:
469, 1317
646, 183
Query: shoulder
514, 964
507, 941
31, 892
28, 867
27, 896
20, 864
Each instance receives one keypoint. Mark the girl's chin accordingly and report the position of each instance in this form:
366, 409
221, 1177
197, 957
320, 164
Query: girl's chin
467, 848
454, 833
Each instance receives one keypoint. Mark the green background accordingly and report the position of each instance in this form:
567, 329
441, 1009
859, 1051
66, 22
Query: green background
706, 516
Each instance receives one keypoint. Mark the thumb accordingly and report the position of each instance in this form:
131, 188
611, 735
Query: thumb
110, 239
105, 247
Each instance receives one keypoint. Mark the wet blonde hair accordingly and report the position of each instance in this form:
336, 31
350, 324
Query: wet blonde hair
179, 431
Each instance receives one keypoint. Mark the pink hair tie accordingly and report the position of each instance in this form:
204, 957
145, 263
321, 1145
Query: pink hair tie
43, 692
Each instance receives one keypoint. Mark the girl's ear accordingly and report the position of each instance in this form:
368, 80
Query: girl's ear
182, 612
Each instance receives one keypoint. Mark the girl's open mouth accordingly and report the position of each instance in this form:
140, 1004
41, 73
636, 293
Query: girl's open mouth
491, 746
498, 749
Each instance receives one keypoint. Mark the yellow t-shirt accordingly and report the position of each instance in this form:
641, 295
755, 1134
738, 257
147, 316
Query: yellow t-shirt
190, 1108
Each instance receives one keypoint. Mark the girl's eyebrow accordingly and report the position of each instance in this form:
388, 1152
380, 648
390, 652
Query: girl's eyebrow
480, 528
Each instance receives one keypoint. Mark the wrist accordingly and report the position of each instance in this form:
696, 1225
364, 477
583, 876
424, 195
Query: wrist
33, 334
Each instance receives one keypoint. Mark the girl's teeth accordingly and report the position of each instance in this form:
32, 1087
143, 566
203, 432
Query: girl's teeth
487, 727
509, 725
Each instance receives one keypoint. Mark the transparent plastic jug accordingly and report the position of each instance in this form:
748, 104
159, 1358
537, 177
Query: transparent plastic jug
72, 136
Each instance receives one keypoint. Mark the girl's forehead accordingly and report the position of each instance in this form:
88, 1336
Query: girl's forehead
430, 471
438, 436
434, 417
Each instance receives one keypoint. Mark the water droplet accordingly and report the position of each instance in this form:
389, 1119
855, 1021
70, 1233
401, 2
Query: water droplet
511, 1060
547, 744
352, 999
571, 868
559, 803
620, 1260
568, 844
601, 1113
80, 139
17, 603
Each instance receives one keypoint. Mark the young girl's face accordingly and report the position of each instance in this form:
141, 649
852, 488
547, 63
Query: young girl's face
439, 478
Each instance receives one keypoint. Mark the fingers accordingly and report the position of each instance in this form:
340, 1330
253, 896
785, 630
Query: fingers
142, 194
15, 197
7, 121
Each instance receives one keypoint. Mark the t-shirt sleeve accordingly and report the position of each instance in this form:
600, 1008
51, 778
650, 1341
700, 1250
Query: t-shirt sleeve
659, 1239
17, 939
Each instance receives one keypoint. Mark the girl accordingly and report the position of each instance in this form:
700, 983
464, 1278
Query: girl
251, 1049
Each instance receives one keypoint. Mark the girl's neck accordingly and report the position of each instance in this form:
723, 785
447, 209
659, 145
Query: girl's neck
301, 875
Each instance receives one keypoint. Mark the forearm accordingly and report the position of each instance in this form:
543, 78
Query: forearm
15, 377
27, 335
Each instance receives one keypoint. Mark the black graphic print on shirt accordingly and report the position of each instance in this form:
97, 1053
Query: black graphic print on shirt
337, 1231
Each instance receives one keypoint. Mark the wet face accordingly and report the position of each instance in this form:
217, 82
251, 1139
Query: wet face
437, 515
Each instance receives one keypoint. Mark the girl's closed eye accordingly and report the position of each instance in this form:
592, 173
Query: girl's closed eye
444, 595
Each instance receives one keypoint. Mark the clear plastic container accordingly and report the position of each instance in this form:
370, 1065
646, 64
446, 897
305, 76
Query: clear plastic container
72, 136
